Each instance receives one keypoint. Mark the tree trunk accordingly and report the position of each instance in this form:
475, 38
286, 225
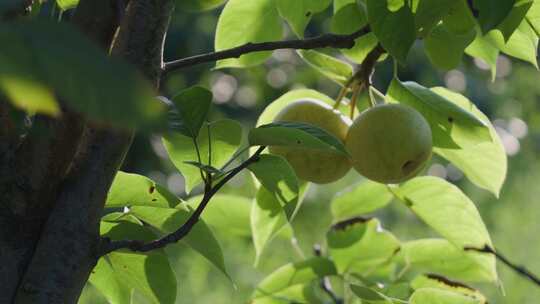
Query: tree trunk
51, 205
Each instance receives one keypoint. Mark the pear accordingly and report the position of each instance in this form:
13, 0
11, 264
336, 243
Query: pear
318, 166
389, 143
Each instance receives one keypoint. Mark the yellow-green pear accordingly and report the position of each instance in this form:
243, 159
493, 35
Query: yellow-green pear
389, 143
318, 166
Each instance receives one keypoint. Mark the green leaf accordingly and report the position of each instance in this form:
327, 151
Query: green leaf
445, 48
119, 217
443, 207
136, 190
514, 18
484, 164
18, 82
348, 19
429, 13
492, 13
299, 293
226, 213
338, 4
364, 198
279, 179
395, 30
67, 4
441, 256
206, 168
369, 295
298, 13
439, 296
295, 134
335, 69
268, 218
226, 136
198, 5
439, 282
78, 76
360, 246
200, 238
125, 230
523, 43
452, 126
460, 19
150, 274
533, 17
294, 274
483, 49
242, 22
267, 116
193, 105
106, 280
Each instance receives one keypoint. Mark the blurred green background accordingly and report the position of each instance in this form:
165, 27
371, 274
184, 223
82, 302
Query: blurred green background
512, 102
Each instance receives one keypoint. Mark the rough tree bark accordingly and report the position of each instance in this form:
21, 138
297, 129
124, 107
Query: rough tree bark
52, 188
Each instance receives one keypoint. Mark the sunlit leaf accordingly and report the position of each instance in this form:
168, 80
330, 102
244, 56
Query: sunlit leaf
293, 274
67, 4
367, 197
448, 211
268, 218
136, 190
242, 22
484, 164
299, 293
439, 282
360, 246
200, 238
442, 257
440, 296
295, 134
226, 136
279, 179
333, 68
452, 126
104, 279
298, 13
150, 274
226, 213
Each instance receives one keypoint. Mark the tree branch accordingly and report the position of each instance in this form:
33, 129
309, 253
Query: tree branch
325, 283
517, 268
322, 41
138, 246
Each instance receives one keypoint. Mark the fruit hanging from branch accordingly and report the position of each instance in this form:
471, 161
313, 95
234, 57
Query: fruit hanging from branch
318, 166
389, 143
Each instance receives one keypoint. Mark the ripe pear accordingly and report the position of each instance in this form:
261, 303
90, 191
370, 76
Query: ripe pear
389, 143
318, 166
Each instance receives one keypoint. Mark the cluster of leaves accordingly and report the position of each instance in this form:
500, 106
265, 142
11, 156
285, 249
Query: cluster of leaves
373, 264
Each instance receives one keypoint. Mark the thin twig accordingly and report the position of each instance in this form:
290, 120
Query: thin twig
210, 191
325, 284
321, 41
517, 268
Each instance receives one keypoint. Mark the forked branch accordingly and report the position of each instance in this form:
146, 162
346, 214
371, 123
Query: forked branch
210, 191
